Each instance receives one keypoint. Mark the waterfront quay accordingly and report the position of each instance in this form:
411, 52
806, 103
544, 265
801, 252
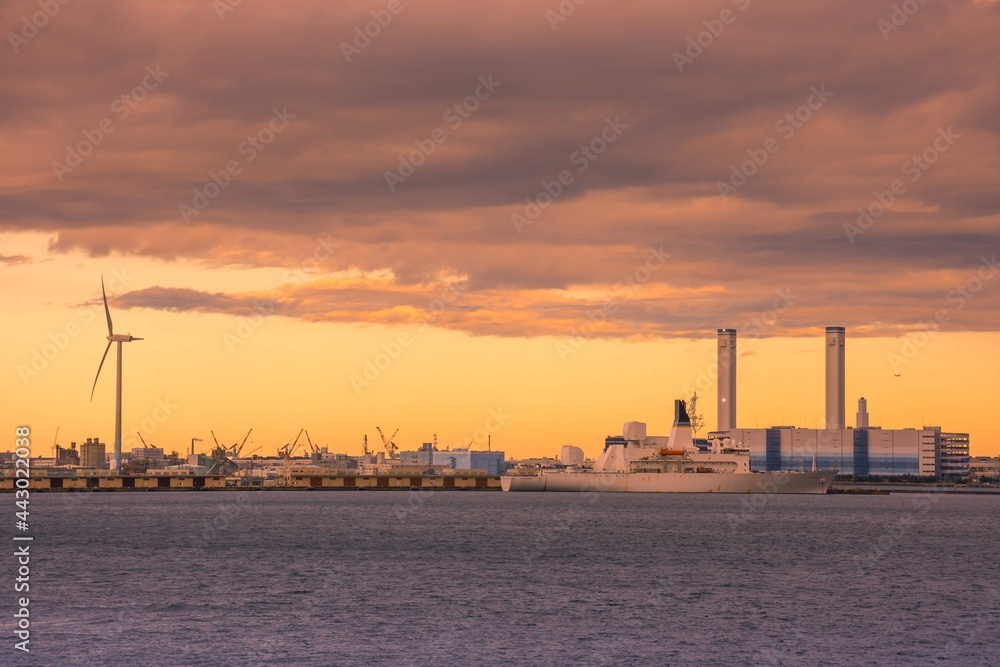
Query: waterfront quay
80, 483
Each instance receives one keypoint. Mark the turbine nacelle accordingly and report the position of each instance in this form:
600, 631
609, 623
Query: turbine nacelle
121, 338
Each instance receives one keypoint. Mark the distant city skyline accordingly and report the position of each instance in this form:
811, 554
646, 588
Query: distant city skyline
319, 223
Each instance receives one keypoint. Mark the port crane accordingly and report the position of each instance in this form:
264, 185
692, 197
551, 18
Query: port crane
313, 448
144, 445
237, 450
390, 446
286, 450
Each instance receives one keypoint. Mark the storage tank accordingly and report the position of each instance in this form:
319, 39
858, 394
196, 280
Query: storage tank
571, 456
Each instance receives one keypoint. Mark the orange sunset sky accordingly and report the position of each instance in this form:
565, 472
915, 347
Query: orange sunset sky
495, 217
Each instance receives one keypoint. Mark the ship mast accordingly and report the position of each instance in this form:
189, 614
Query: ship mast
697, 421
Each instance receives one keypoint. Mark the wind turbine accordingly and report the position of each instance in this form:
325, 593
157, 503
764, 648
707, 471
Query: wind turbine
114, 338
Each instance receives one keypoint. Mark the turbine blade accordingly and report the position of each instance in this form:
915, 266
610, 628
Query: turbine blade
106, 311
99, 370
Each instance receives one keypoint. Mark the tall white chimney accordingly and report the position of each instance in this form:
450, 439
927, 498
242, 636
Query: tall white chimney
835, 377
727, 379
862, 418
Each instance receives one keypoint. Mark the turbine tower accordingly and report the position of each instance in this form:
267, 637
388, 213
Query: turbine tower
114, 338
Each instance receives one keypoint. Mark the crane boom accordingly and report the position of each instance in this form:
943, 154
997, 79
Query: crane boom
388, 443
237, 450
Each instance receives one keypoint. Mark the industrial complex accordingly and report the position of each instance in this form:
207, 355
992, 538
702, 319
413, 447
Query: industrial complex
859, 450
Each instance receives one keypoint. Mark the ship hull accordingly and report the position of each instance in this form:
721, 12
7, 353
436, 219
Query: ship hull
640, 482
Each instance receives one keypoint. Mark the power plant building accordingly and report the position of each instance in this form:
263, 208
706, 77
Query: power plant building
860, 451
871, 451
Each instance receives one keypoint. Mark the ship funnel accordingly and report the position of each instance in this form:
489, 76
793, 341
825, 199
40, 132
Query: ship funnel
681, 417
680, 434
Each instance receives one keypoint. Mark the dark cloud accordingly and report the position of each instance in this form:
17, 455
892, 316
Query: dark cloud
11, 260
655, 185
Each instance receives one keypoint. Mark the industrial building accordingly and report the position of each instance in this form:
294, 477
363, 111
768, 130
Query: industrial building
455, 459
862, 450
925, 452
154, 456
985, 468
92, 454
467, 459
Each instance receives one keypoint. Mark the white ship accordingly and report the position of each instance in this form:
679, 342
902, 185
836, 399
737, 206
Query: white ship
641, 464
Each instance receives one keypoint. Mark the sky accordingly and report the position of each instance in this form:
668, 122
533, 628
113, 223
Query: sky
509, 222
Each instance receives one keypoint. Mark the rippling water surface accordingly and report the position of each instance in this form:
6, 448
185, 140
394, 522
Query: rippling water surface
479, 578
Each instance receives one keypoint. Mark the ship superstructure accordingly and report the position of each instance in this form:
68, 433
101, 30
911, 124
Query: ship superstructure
637, 463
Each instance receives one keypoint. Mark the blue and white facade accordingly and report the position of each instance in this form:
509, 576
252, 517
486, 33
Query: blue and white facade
467, 459
921, 452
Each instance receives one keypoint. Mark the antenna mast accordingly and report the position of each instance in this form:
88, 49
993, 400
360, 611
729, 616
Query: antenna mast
697, 421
